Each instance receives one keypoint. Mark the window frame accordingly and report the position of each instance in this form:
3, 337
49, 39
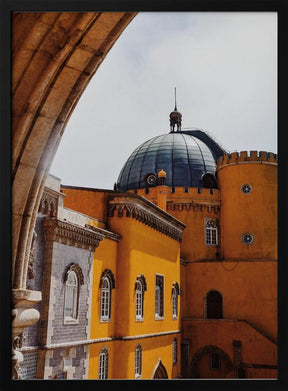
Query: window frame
103, 364
72, 294
159, 296
174, 351
138, 362
175, 302
139, 300
211, 232
212, 367
105, 300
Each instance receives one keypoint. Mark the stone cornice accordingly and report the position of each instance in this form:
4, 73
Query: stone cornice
107, 234
70, 234
196, 206
146, 212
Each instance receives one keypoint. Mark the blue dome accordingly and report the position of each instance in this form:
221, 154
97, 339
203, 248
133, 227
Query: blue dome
185, 156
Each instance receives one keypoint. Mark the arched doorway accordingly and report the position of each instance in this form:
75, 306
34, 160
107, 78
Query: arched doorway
160, 371
214, 305
211, 362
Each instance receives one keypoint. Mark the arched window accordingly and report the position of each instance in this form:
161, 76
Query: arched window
174, 351
214, 305
107, 284
209, 181
73, 278
175, 293
211, 233
138, 361
103, 364
140, 287
159, 296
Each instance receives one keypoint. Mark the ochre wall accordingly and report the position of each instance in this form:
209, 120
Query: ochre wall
122, 357
249, 291
191, 208
143, 250
88, 201
255, 212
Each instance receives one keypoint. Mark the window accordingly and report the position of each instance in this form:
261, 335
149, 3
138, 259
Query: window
175, 293
138, 361
105, 299
247, 238
107, 284
159, 291
246, 189
174, 350
140, 287
214, 305
73, 278
103, 364
211, 232
214, 361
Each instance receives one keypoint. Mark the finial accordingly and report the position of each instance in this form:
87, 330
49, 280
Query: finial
175, 117
175, 99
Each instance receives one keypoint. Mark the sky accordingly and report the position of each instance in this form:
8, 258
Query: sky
223, 65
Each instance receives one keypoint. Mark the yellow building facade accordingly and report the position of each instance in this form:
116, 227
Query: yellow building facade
185, 284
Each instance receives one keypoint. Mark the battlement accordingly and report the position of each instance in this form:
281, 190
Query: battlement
245, 157
180, 192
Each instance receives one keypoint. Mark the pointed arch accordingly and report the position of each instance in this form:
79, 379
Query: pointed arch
160, 371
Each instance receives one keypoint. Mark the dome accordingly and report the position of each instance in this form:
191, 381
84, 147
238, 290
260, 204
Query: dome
184, 156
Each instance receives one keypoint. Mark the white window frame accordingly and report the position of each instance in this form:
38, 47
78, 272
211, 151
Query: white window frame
174, 351
211, 232
138, 362
103, 364
71, 298
139, 300
105, 302
174, 303
159, 296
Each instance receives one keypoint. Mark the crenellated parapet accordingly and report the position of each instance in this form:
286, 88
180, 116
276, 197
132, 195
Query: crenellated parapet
247, 157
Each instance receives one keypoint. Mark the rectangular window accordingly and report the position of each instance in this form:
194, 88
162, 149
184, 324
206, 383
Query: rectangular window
215, 361
211, 234
159, 296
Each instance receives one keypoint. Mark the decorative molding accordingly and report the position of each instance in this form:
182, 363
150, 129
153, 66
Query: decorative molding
193, 205
77, 269
70, 234
146, 212
49, 202
108, 273
107, 234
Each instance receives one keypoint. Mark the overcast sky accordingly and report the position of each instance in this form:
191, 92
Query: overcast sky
224, 66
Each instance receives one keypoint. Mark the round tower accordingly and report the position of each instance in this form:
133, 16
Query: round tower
248, 186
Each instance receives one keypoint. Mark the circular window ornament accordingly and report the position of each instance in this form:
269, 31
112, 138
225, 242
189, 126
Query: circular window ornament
246, 188
151, 179
247, 238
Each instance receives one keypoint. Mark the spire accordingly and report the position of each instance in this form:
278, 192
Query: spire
175, 117
175, 99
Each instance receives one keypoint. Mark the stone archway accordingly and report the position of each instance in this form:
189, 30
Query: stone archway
160, 371
224, 369
54, 56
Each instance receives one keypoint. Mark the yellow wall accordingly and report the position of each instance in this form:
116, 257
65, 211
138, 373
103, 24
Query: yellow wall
255, 212
121, 364
249, 291
143, 250
105, 257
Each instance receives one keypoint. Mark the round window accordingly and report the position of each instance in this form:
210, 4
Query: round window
246, 188
247, 238
151, 179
